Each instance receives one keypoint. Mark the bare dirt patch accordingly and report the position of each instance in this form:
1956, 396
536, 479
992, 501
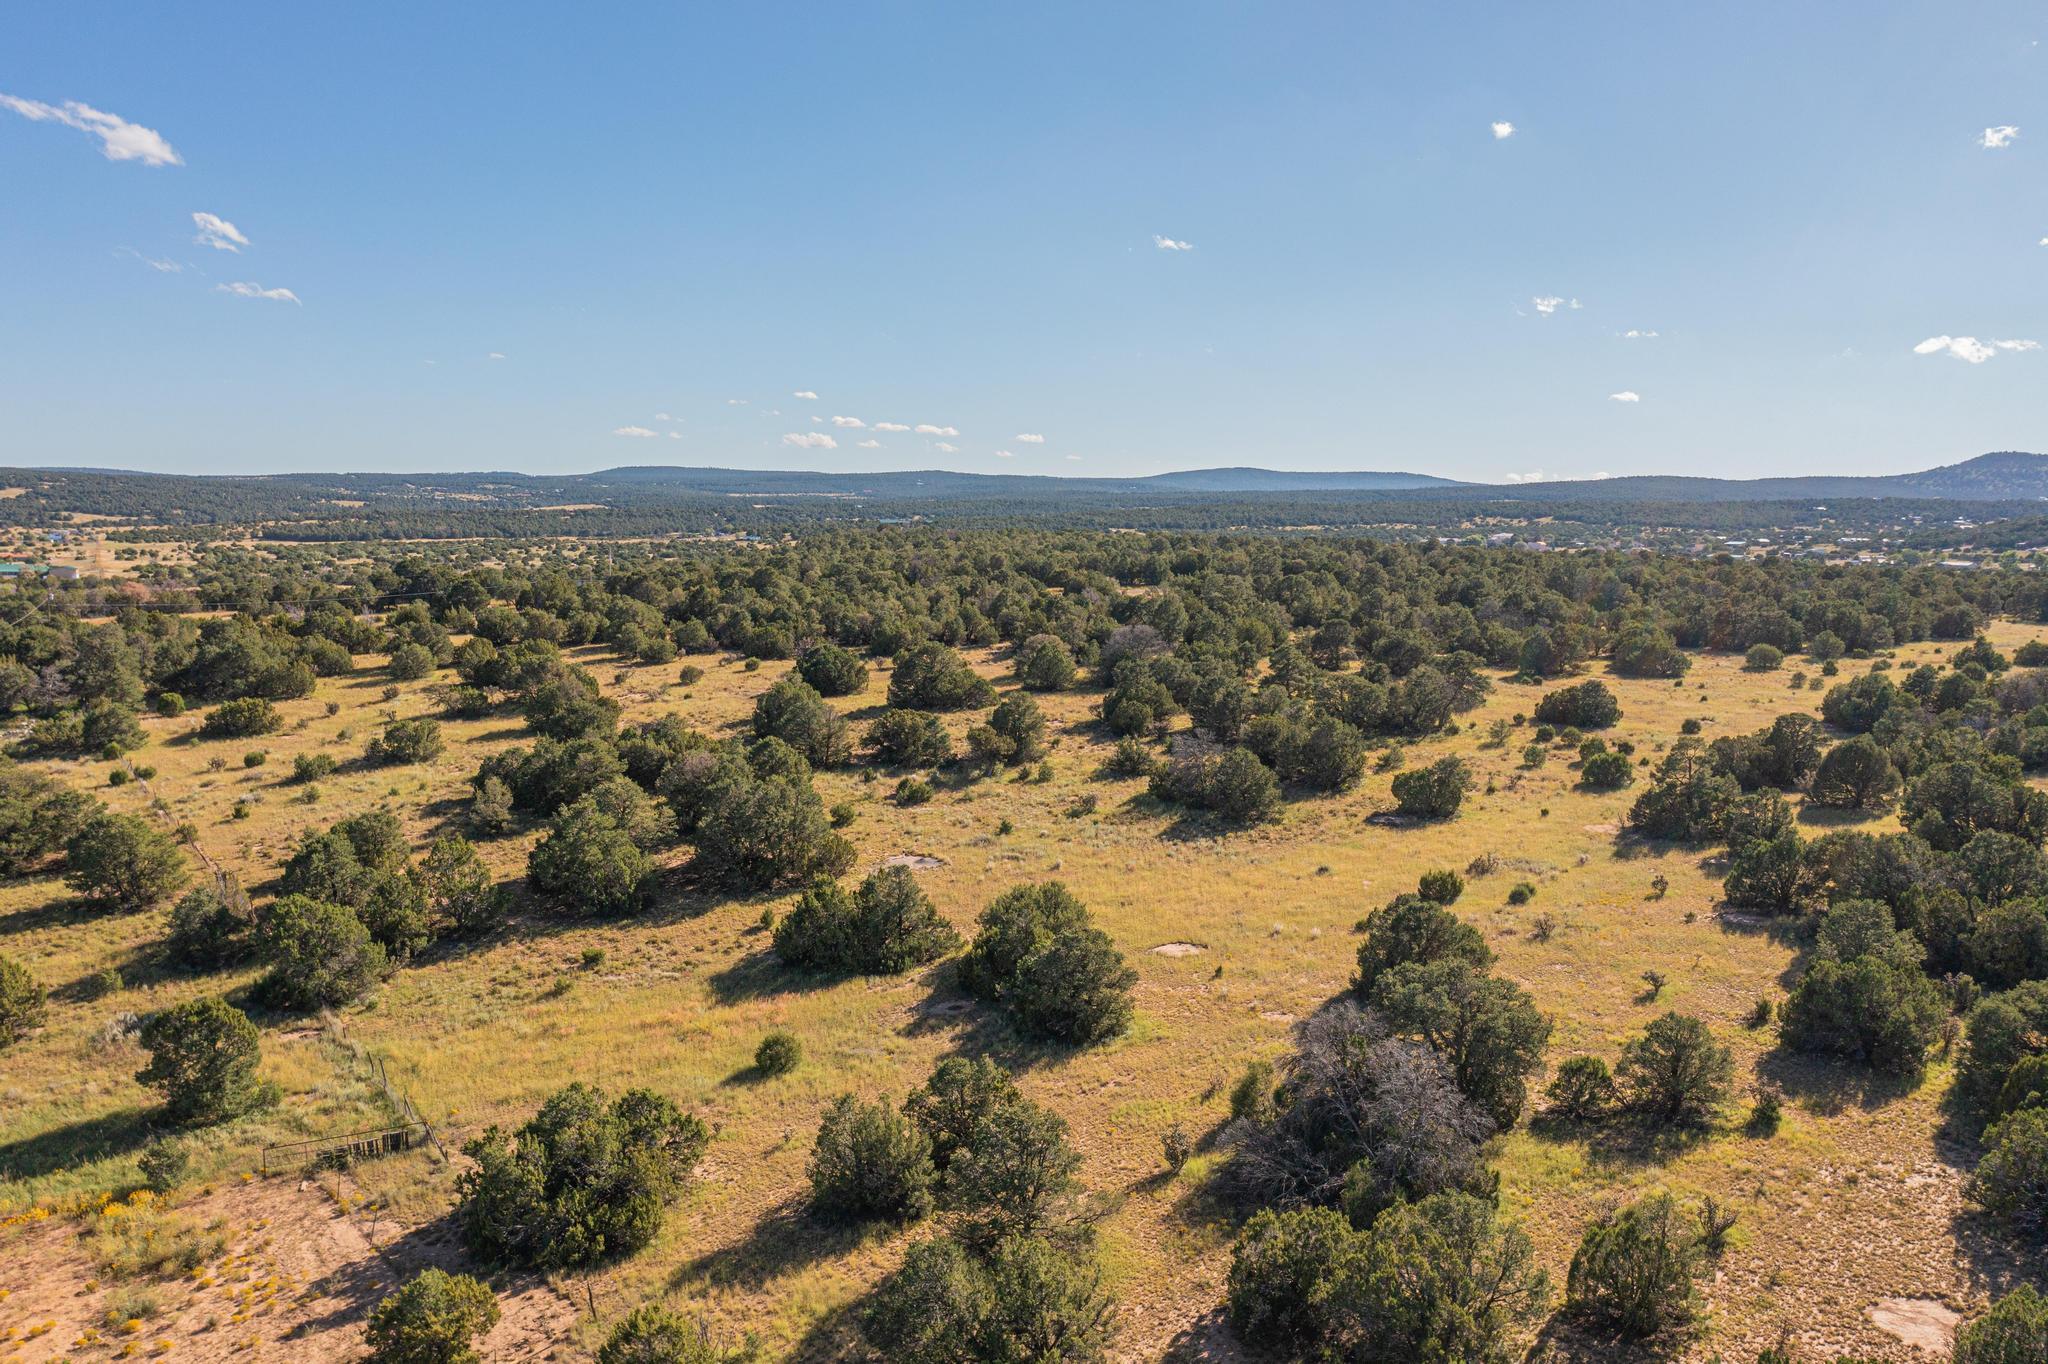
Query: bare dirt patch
1177, 949
296, 1281
1922, 1323
914, 861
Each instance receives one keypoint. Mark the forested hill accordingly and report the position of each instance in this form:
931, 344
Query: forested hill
658, 500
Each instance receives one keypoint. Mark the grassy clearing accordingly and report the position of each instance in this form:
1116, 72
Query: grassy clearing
1854, 1200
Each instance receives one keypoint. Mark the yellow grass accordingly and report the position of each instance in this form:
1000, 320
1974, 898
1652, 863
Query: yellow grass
1853, 1201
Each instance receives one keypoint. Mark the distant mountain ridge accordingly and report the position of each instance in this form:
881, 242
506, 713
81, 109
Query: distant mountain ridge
2003, 476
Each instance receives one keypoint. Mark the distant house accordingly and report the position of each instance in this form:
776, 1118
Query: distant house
64, 573
15, 568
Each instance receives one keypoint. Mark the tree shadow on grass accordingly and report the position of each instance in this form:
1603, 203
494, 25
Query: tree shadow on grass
1207, 1339
1624, 1142
1830, 1086
106, 1137
833, 1336
1562, 1341
785, 1241
62, 910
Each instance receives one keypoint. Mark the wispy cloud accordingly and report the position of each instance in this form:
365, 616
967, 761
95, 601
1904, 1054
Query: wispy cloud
1546, 304
946, 447
1503, 130
1030, 438
162, 267
1639, 334
1969, 349
1627, 395
805, 394
890, 426
1075, 458
2000, 137
636, 432
869, 444
850, 423
735, 402
120, 140
927, 429
675, 435
495, 355
243, 289
218, 233
1169, 244
810, 440
1004, 454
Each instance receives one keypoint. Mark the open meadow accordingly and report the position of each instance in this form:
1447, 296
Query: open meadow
1852, 1236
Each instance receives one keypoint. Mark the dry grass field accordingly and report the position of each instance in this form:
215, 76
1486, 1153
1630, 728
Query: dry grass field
1854, 1203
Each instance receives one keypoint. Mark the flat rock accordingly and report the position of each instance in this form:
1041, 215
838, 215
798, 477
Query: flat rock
1176, 949
1923, 1323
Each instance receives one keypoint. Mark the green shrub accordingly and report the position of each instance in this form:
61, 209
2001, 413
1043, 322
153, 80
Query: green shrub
1635, 1269
1441, 887
2014, 1331
1675, 1073
583, 1182
870, 1163
953, 1105
1029, 1299
22, 1005
651, 1334
202, 1059
311, 767
321, 954
1433, 792
123, 862
886, 926
2011, 1181
1582, 1090
244, 718
779, 1053
436, 1316
1038, 954
162, 1164
212, 926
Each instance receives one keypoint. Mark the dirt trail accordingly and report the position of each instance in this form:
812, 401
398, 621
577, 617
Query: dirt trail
296, 1282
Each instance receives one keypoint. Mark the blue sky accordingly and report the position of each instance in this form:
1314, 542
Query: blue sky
508, 232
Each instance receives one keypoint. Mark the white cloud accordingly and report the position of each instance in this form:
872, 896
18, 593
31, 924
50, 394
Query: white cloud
218, 233
946, 447
1970, 349
1004, 454
1638, 334
810, 440
2044, 241
120, 140
1999, 137
850, 423
162, 267
1030, 438
675, 435
240, 289
1075, 458
735, 402
805, 393
890, 426
1533, 476
495, 355
1546, 303
1503, 130
870, 444
1169, 244
636, 432
1596, 477
1627, 395
927, 429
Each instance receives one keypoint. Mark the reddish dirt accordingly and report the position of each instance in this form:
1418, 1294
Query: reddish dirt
302, 1272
